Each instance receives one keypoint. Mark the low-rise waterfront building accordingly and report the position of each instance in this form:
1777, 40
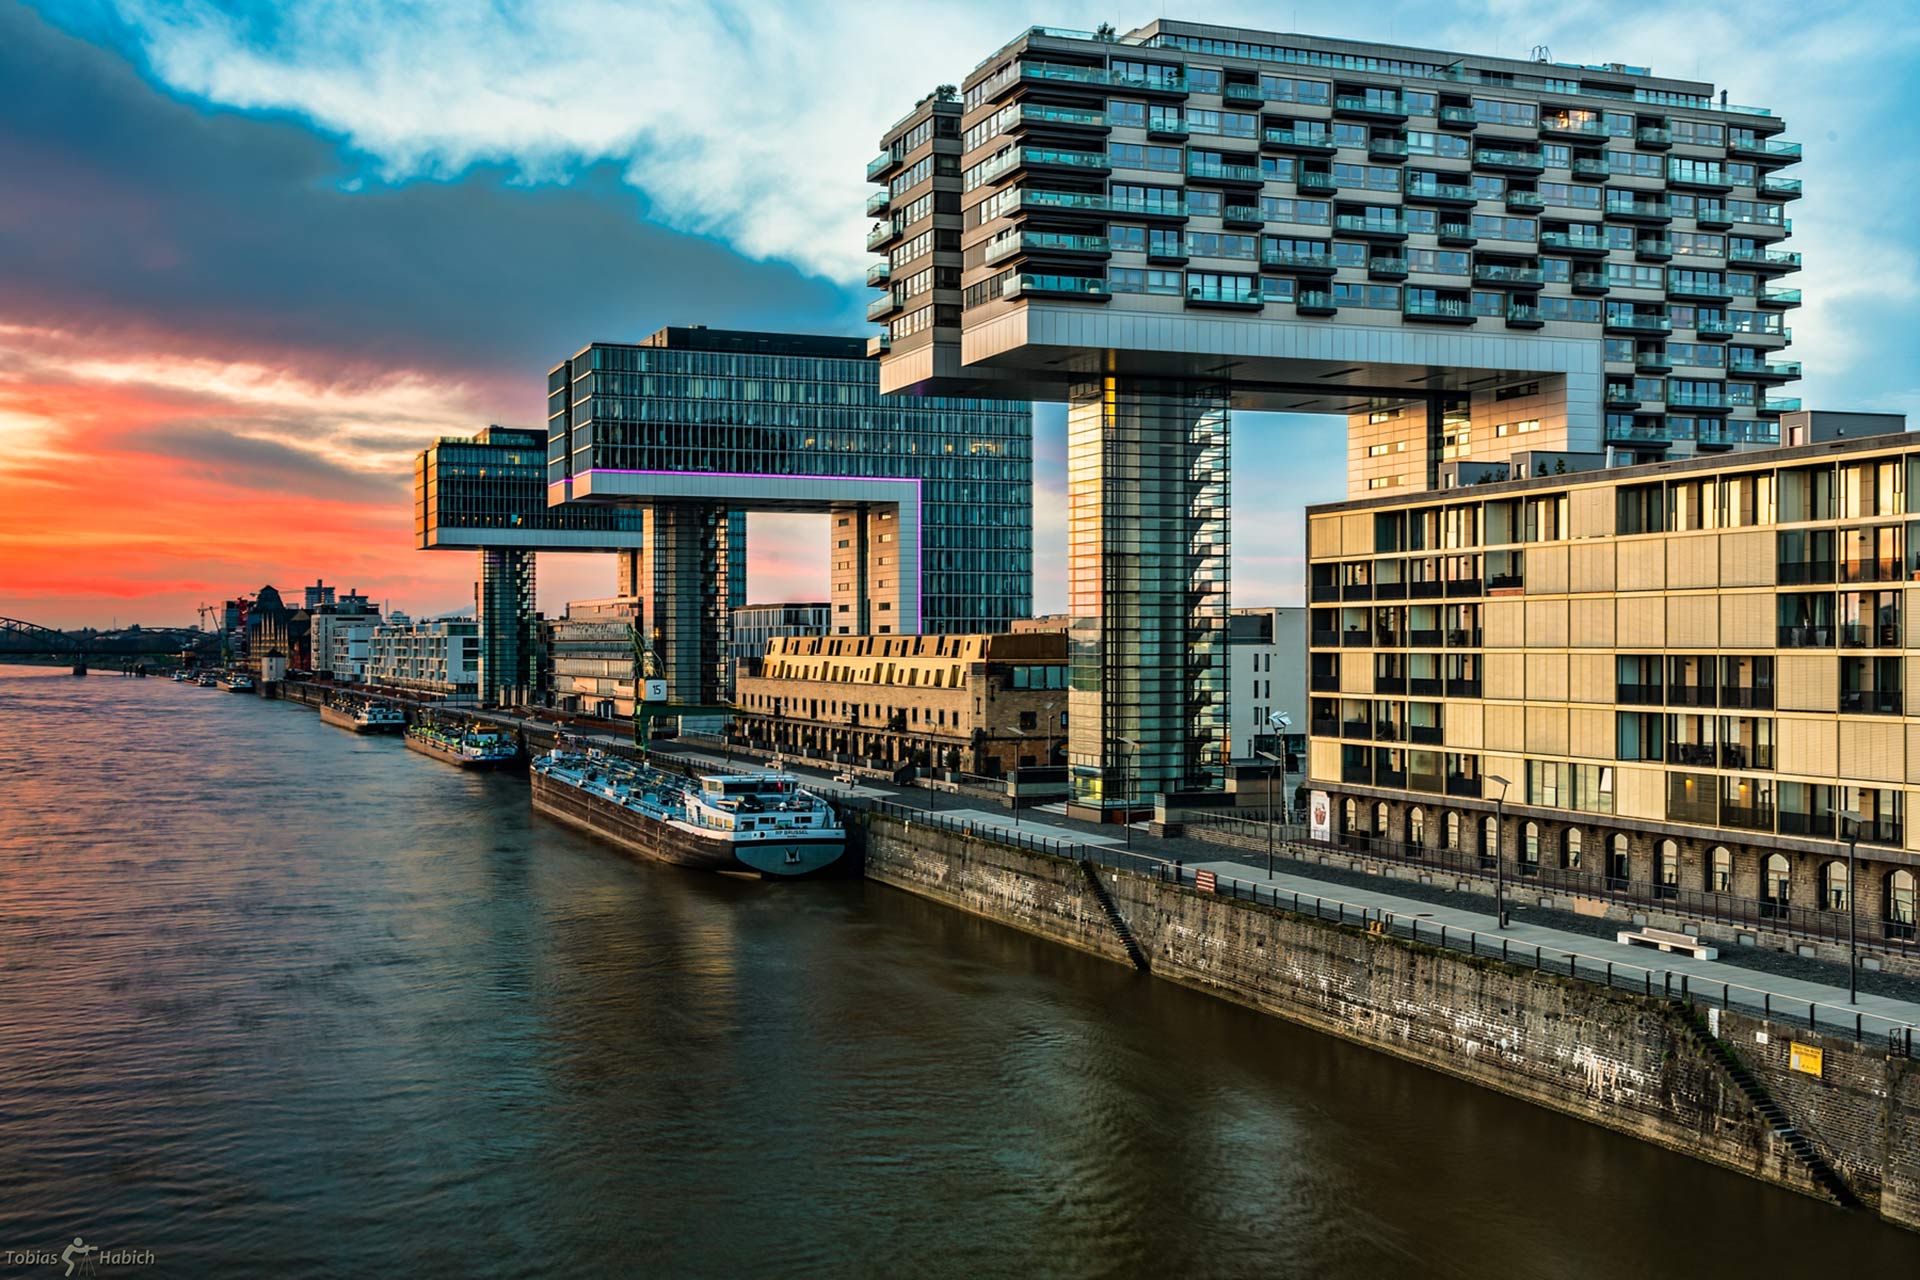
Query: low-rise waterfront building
1683, 683
438, 657
982, 704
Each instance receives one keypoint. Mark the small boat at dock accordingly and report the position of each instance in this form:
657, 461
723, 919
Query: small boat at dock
468, 746
364, 715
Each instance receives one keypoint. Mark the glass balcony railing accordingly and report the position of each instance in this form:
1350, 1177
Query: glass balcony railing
1242, 215
1028, 285
1303, 261
1571, 125
1370, 104
1222, 170
1590, 282
1654, 248
882, 306
1766, 368
1588, 168
1431, 190
1319, 184
881, 234
1780, 297
1772, 186
1161, 83
1459, 116
1640, 208
1521, 314
1682, 398
1439, 308
1043, 242
1244, 94
1370, 226
1216, 296
1040, 113
1783, 404
1316, 140
1390, 147
1064, 73
1652, 361
1761, 256
1083, 201
1508, 158
1525, 201
878, 274
1653, 136
1639, 323
1314, 302
880, 164
1499, 273
1393, 268
1573, 241
1707, 327
877, 203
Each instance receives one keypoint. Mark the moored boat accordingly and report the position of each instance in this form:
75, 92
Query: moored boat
763, 823
467, 746
363, 715
239, 682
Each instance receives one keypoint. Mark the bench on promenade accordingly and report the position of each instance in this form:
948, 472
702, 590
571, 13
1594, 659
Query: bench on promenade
1667, 940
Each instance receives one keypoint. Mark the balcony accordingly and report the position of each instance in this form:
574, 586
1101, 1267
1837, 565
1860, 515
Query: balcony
1087, 288
1698, 178
1499, 273
1708, 329
1653, 249
1772, 407
1509, 160
1031, 199
1639, 695
1461, 785
1870, 702
1652, 362
1764, 149
883, 306
878, 274
1570, 127
1575, 242
1457, 117
1431, 191
1050, 73
1630, 322
881, 165
1762, 370
1290, 260
1640, 210
1315, 184
1056, 242
1386, 268
1045, 116
1525, 202
886, 233
1046, 158
1242, 217
1315, 302
1317, 141
1458, 235
1242, 94
1712, 217
1779, 298
1619, 396
1439, 310
1698, 290
1591, 170
1749, 697
1652, 138
1370, 107
1785, 188
1389, 150
1170, 82
1590, 282
1379, 228
1699, 401
1765, 259
1524, 316
1224, 171
877, 203
1166, 128
1653, 433
1225, 299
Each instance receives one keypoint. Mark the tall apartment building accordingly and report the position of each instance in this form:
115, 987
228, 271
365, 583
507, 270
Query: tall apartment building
1460, 255
1688, 674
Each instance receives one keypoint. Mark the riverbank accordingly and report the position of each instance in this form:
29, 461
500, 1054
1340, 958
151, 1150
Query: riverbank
1719, 1085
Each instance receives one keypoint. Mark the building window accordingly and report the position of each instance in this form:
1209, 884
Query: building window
1618, 864
1530, 846
1490, 838
1667, 874
1777, 885
1900, 904
1416, 825
1834, 888
1380, 819
1453, 831
1720, 870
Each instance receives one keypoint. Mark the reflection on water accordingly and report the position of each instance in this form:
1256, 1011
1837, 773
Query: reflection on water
277, 1000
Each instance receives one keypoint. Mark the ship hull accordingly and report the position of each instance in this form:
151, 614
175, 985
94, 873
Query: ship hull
779, 856
346, 720
438, 752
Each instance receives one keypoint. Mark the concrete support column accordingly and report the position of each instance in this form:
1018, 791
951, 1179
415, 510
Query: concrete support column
685, 577
503, 606
1147, 557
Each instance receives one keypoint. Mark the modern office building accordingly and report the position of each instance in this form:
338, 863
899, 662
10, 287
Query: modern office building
1681, 677
1267, 662
755, 624
1452, 252
489, 494
349, 645
928, 498
982, 704
591, 650
330, 616
434, 658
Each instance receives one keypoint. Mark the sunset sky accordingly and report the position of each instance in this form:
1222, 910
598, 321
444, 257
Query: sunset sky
254, 257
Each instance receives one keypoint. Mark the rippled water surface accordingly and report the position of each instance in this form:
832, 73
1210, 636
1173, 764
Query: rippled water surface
280, 1001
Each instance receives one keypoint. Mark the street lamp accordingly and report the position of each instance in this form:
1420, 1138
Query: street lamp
1853, 818
1126, 816
1499, 866
1280, 722
1268, 755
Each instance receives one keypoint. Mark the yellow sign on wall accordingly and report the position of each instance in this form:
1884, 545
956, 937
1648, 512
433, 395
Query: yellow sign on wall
1804, 1057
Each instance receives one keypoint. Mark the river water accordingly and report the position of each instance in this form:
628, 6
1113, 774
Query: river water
280, 1001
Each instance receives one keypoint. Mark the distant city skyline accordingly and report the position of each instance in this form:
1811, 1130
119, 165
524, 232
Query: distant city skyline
260, 264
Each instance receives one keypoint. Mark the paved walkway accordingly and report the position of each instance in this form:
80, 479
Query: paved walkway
1791, 995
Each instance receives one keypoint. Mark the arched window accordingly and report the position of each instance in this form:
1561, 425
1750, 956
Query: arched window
1617, 863
1380, 820
1720, 870
1349, 817
1573, 842
1416, 825
1666, 872
1834, 888
1900, 904
1776, 885
1453, 830
1490, 838
1530, 846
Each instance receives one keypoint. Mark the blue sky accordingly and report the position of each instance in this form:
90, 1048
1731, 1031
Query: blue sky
276, 248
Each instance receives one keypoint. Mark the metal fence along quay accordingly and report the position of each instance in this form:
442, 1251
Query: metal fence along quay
1896, 1037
